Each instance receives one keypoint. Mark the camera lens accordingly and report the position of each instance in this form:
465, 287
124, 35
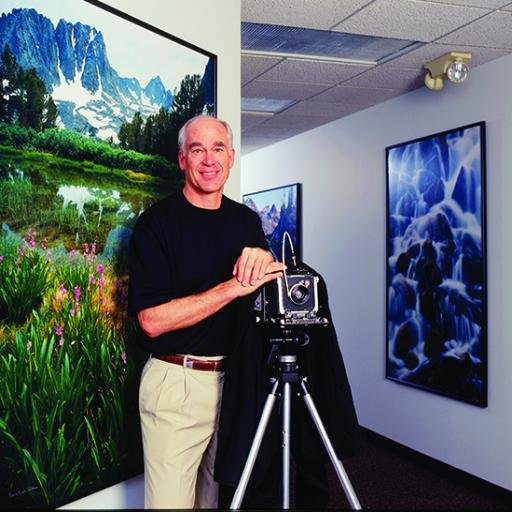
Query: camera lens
299, 294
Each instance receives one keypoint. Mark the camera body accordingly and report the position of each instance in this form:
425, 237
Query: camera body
291, 300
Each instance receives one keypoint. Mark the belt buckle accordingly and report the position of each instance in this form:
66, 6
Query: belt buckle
188, 363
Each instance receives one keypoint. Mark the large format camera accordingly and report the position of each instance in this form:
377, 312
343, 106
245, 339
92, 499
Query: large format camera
291, 299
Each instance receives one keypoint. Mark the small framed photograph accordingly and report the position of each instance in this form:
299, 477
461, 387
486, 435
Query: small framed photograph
280, 211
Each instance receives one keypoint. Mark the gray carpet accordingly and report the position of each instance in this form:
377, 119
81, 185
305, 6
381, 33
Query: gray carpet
387, 476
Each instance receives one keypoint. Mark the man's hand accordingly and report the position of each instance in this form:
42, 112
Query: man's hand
274, 270
252, 265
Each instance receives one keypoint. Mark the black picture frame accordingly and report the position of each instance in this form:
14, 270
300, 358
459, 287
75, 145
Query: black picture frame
70, 195
280, 211
211, 99
436, 291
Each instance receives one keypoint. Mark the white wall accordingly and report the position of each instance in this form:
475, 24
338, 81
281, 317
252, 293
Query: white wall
343, 170
215, 27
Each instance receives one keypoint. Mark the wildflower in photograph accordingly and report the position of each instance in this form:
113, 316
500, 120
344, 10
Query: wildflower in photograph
61, 293
76, 293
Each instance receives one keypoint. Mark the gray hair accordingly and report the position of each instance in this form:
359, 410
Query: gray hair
183, 129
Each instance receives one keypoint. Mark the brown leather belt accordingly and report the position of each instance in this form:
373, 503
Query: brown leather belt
190, 362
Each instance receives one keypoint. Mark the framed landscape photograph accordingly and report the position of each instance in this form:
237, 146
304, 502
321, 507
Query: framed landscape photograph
280, 211
436, 274
91, 102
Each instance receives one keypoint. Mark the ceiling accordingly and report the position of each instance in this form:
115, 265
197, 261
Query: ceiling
326, 91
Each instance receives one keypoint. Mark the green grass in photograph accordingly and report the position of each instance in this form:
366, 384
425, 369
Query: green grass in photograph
63, 370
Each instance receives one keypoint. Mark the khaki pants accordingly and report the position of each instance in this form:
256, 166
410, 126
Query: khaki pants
179, 419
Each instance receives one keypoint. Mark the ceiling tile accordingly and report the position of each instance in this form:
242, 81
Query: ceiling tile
312, 72
300, 13
417, 58
267, 129
493, 31
250, 120
409, 19
280, 90
252, 67
300, 122
389, 77
320, 108
364, 96
489, 4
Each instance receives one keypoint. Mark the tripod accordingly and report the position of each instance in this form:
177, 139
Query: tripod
288, 375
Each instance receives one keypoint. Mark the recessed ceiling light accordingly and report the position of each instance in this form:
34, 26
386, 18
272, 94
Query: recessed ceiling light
322, 45
265, 106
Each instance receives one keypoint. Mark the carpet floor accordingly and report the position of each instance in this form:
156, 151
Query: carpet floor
388, 476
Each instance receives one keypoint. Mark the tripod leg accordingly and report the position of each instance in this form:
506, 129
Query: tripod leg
253, 453
340, 471
286, 444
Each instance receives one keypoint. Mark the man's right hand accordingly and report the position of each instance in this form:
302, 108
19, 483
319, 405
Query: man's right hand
273, 270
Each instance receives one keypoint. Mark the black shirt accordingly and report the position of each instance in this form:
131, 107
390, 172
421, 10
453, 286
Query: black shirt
178, 249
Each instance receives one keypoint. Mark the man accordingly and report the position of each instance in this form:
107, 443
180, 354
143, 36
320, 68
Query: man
196, 256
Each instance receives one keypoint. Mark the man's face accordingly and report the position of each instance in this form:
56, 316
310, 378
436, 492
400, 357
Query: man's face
206, 159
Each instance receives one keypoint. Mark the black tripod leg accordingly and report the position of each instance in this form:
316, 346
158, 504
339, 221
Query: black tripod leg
340, 470
255, 447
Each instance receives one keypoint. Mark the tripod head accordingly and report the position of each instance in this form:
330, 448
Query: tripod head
283, 355
289, 336
284, 342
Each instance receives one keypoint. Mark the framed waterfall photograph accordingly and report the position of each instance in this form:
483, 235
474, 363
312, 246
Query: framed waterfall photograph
436, 273
91, 102
280, 211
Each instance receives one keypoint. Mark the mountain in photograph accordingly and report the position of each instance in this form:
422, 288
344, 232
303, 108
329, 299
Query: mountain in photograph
287, 223
276, 220
269, 216
72, 61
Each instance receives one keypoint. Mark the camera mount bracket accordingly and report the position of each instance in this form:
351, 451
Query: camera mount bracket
289, 375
